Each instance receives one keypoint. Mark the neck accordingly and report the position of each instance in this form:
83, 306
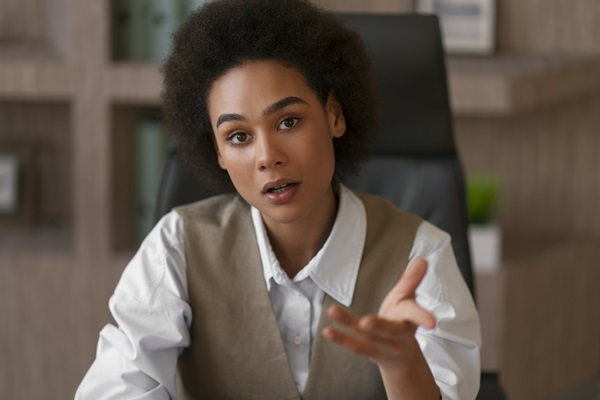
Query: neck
295, 244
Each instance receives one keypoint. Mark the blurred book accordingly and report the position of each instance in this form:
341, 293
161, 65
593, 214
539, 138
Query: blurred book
151, 144
142, 30
9, 177
162, 19
129, 32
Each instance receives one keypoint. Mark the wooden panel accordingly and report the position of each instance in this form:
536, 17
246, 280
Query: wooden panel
35, 80
549, 25
36, 25
91, 130
509, 84
491, 298
548, 163
52, 308
551, 320
135, 83
21, 19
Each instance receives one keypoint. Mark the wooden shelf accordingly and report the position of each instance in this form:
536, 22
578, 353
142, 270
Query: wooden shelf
494, 86
23, 241
515, 83
135, 83
36, 80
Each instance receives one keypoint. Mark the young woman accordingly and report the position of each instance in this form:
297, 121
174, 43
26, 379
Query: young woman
289, 285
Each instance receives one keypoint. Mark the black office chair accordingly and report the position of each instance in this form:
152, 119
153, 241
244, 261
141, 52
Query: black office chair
415, 163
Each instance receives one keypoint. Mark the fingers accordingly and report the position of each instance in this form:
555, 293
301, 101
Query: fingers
370, 336
354, 344
410, 280
410, 313
408, 318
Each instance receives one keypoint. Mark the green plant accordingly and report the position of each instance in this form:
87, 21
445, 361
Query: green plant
482, 197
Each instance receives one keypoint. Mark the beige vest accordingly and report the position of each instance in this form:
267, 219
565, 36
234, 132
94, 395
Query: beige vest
236, 350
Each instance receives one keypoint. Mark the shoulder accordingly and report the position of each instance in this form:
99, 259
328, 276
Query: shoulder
213, 209
381, 209
159, 263
431, 238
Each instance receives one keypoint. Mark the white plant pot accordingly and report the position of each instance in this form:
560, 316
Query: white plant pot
486, 247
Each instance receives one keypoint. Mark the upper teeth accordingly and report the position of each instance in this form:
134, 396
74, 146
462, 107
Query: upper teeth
279, 188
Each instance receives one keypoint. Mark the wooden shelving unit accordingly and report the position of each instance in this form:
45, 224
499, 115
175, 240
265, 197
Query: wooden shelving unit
57, 274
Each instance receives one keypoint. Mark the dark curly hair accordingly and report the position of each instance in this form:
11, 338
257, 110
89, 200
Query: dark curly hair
226, 33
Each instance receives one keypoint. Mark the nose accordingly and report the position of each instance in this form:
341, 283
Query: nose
269, 152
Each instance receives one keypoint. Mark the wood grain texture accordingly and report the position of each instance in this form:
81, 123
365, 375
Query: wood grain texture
551, 325
543, 26
547, 162
512, 84
53, 298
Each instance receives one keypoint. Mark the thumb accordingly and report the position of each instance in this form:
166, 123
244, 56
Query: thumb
410, 280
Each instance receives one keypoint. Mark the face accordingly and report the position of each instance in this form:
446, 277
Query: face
275, 139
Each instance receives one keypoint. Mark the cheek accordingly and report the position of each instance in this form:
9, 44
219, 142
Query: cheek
322, 156
236, 163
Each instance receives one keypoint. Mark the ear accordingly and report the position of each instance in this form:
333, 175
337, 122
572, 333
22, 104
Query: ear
220, 160
335, 116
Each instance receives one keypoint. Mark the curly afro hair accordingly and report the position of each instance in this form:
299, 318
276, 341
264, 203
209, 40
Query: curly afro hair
226, 33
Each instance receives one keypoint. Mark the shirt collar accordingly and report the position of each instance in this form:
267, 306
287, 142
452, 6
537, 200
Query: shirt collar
335, 267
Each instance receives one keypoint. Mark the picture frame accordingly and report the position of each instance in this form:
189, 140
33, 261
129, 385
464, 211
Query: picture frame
9, 179
468, 26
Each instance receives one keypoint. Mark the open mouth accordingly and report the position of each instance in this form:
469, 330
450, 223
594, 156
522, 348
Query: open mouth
281, 188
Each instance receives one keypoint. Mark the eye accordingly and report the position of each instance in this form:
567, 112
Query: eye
288, 123
238, 138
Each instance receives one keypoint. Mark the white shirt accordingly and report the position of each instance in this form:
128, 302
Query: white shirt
138, 359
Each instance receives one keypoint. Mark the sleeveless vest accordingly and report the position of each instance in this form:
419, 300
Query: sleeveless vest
236, 350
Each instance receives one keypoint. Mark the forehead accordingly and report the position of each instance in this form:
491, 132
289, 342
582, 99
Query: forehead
257, 84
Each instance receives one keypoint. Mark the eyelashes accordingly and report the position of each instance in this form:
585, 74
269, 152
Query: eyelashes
288, 123
239, 138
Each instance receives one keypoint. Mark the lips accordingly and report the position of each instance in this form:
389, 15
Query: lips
278, 186
281, 191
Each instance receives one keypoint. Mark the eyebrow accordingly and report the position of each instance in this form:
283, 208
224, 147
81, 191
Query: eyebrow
270, 110
273, 108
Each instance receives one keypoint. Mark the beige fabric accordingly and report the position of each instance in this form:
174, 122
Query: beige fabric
236, 350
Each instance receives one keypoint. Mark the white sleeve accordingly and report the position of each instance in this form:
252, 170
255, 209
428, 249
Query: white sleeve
452, 348
137, 359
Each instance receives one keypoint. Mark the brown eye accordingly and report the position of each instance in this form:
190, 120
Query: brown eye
238, 138
288, 123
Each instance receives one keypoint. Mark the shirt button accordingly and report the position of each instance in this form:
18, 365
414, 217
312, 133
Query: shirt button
297, 340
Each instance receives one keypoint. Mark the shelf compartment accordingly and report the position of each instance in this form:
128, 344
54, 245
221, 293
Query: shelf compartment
125, 119
39, 134
34, 29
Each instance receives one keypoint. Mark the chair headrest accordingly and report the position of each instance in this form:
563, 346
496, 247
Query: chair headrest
409, 63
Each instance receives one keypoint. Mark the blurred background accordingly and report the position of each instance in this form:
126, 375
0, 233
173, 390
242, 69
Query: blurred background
80, 133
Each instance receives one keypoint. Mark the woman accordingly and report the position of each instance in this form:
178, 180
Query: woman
271, 100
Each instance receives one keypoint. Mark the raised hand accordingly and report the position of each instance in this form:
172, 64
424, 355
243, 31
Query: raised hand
388, 338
